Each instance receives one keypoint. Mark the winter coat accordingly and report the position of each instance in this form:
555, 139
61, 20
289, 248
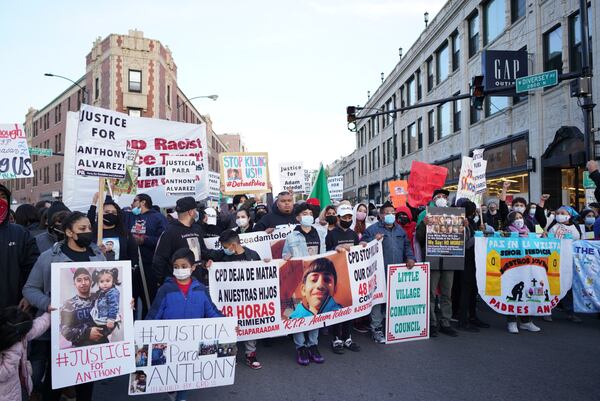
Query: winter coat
154, 223
44, 241
171, 303
396, 245
295, 243
14, 366
18, 253
273, 219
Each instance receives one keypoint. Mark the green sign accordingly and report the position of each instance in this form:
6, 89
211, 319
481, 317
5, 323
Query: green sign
587, 181
530, 82
40, 152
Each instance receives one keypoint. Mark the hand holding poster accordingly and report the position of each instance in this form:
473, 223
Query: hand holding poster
176, 355
523, 276
335, 185
423, 180
586, 278
92, 331
291, 176
407, 303
244, 173
445, 231
15, 161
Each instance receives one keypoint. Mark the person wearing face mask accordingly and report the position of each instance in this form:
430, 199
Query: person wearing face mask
328, 218
243, 222
588, 218
56, 213
396, 249
404, 218
281, 213
260, 210
359, 223
563, 223
77, 246
182, 233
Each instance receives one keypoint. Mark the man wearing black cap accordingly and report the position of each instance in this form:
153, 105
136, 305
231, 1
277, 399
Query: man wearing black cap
181, 233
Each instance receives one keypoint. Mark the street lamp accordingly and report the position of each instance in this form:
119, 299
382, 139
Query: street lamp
426, 15
212, 97
400, 52
73, 82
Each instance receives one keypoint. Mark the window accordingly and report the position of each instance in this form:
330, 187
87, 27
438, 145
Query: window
410, 91
443, 120
169, 95
419, 89
455, 51
431, 126
57, 172
474, 115
429, 74
97, 87
507, 156
517, 10
495, 104
69, 103
453, 167
575, 41
403, 137
456, 114
441, 62
402, 102
58, 143
553, 49
473, 22
389, 106
413, 141
420, 133
135, 81
135, 112
493, 20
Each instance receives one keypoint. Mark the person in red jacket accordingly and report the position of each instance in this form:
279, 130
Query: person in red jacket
404, 218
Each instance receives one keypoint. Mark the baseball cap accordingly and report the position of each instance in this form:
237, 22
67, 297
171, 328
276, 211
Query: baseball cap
344, 210
185, 204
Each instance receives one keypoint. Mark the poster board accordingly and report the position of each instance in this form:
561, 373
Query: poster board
445, 232
15, 160
244, 173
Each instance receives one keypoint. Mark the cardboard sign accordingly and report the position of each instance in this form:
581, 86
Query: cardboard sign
398, 192
423, 180
15, 161
291, 176
335, 185
244, 173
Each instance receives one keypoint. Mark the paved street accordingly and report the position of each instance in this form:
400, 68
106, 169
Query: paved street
560, 363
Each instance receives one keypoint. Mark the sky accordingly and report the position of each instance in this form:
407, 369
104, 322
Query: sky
284, 70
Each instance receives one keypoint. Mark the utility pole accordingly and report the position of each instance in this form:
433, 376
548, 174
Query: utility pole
585, 82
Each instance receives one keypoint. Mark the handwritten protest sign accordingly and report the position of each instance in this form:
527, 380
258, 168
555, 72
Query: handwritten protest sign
15, 161
291, 176
92, 330
273, 298
335, 185
180, 175
407, 303
244, 173
101, 143
398, 192
214, 185
153, 140
175, 355
423, 180
523, 276
445, 232
479, 168
268, 246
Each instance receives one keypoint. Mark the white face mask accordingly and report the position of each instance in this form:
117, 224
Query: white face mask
532, 211
562, 218
519, 223
182, 274
519, 209
242, 222
476, 219
441, 202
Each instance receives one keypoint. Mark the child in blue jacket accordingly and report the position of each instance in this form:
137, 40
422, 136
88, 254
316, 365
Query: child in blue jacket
182, 296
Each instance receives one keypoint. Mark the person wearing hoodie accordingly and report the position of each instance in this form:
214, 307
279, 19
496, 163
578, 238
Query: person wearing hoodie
78, 246
281, 214
404, 218
56, 213
18, 253
359, 219
588, 218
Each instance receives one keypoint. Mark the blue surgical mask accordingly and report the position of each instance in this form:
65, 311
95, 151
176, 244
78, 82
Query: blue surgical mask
590, 220
136, 210
389, 219
307, 221
228, 252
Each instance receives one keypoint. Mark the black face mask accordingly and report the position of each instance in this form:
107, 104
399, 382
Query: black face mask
56, 232
111, 219
84, 239
331, 220
403, 220
345, 224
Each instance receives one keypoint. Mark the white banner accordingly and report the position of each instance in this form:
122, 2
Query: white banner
268, 246
291, 176
101, 143
175, 355
335, 185
180, 175
15, 161
154, 139
92, 330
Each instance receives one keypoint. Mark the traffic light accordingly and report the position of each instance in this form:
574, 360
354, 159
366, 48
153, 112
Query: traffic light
351, 111
477, 92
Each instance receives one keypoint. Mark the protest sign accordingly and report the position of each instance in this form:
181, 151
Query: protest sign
586, 281
268, 246
271, 299
180, 175
15, 161
398, 192
309, 178
423, 180
176, 355
244, 173
523, 276
92, 330
154, 140
445, 232
128, 185
101, 143
291, 176
407, 303
214, 185
479, 168
335, 185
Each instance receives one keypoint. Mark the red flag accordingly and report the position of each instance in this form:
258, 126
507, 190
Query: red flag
423, 180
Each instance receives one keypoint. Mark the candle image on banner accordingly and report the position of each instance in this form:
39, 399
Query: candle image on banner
291, 176
445, 232
92, 331
244, 173
180, 175
15, 161
407, 303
